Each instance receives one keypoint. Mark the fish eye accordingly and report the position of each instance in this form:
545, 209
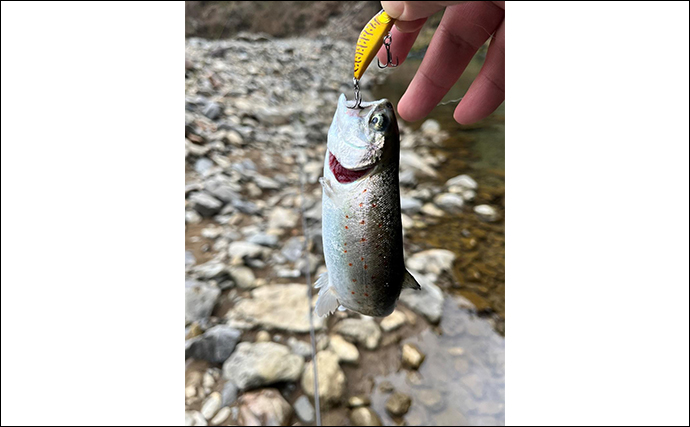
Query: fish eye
379, 121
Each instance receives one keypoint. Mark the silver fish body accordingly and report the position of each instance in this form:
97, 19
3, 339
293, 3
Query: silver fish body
362, 229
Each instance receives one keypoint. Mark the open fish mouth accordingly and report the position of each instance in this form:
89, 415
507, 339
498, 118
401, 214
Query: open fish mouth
344, 175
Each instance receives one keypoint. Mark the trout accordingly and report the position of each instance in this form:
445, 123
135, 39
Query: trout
362, 229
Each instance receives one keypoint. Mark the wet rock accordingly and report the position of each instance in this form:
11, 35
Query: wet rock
412, 357
228, 394
189, 259
266, 183
259, 364
203, 165
263, 239
304, 410
449, 202
410, 205
210, 270
277, 307
364, 417
430, 127
396, 319
428, 301
194, 418
221, 416
432, 210
361, 331
486, 213
211, 405
358, 401
411, 160
225, 193
215, 345
242, 276
264, 408
213, 110
282, 218
292, 250
386, 387
464, 181
199, 300
331, 378
398, 404
273, 116
346, 352
205, 204
434, 261
192, 217
432, 399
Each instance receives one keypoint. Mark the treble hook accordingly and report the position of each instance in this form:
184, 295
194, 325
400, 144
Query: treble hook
389, 58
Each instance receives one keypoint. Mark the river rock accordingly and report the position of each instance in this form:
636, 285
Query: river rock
464, 181
449, 202
486, 213
358, 401
428, 301
277, 307
361, 331
304, 410
392, 322
411, 160
259, 364
242, 276
215, 345
194, 418
410, 205
331, 378
205, 204
412, 357
264, 408
346, 352
398, 404
433, 261
282, 218
199, 300
432, 399
228, 394
211, 405
364, 417
245, 250
221, 416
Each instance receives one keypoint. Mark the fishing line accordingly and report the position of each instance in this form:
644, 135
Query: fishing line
305, 254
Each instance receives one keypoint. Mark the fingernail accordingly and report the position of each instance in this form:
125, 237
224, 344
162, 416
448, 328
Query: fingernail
393, 8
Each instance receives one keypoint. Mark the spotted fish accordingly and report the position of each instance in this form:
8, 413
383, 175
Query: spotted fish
362, 229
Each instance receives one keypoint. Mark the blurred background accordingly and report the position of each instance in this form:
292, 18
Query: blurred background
261, 84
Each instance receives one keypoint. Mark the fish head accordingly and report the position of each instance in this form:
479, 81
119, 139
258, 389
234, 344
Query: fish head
360, 139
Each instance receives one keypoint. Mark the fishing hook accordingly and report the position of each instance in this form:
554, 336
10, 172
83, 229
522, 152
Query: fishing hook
389, 58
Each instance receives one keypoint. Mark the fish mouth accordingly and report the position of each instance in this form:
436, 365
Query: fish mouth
344, 175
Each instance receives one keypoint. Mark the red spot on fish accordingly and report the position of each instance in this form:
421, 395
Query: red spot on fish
380, 225
350, 264
360, 205
365, 190
353, 293
362, 259
354, 280
346, 216
342, 174
362, 222
363, 239
365, 266
366, 295
346, 227
345, 251
373, 205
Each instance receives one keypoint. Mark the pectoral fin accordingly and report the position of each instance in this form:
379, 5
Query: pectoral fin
327, 188
327, 302
409, 282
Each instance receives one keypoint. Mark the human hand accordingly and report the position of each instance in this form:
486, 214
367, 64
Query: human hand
464, 28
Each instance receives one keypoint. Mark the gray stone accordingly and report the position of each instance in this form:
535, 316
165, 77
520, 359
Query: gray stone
205, 204
282, 218
199, 300
331, 378
486, 213
412, 357
243, 249
225, 193
255, 365
264, 408
266, 183
464, 181
410, 205
202, 165
210, 270
189, 259
299, 347
242, 276
194, 418
362, 331
228, 394
277, 307
450, 202
428, 301
221, 416
304, 410
263, 239
213, 110
364, 417
215, 345
430, 127
433, 261
392, 322
292, 249
398, 404
411, 160
431, 210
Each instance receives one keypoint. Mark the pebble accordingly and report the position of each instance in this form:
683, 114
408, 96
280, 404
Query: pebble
215, 345
398, 404
364, 417
259, 364
228, 394
464, 181
432, 399
358, 401
435, 261
449, 202
243, 277
200, 298
264, 408
412, 357
221, 416
205, 204
299, 347
432, 210
245, 249
430, 127
281, 218
346, 352
263, 336
211, 405
194, 418
486, 213
428, 301
304, 409
392, 322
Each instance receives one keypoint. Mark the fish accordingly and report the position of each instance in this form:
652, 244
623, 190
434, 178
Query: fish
361, 221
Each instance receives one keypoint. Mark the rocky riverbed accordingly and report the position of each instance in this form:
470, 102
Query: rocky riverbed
257, 112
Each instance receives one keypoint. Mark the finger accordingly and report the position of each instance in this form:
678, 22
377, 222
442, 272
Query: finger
412, 10
401, 43
488, 90
410, 26
463, 29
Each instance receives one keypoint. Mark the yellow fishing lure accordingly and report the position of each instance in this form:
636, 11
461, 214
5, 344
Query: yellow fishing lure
370, 41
